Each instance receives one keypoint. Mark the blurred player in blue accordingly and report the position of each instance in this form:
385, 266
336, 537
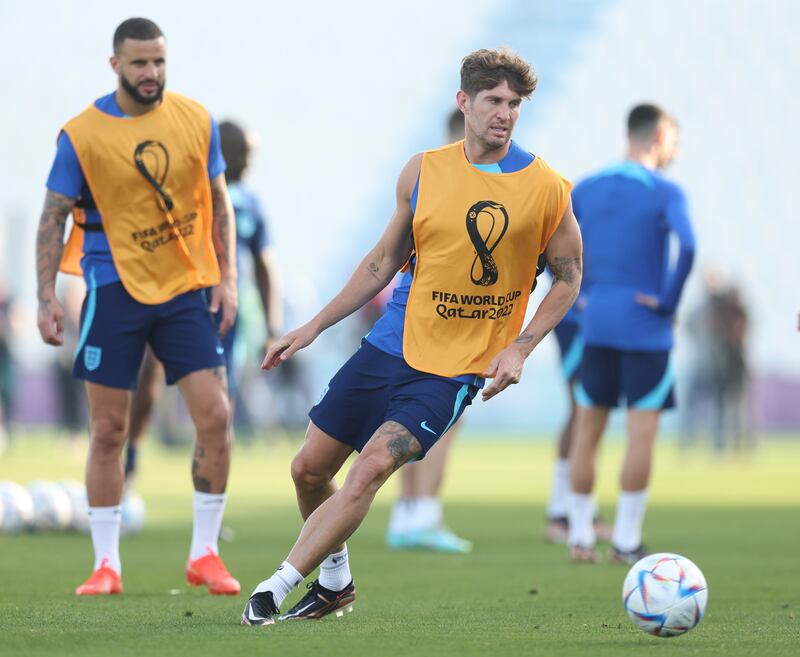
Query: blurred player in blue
417, 518
252, 239
570, 346
632, 284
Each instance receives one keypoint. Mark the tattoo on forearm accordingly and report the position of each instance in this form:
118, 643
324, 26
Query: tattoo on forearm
373, 269
401, 445
524, 339
50, 238
201, 484
221, 227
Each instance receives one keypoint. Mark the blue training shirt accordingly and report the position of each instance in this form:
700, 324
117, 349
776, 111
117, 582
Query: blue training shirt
67, 178
252, 234
387, 333
627, 214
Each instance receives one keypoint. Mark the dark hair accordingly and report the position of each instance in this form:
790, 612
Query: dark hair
485, 69
644, 119
140, 29
235, 149
455, 125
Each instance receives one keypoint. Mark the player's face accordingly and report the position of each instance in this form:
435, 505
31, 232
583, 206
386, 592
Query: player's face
668, 144
141, 67
492, 114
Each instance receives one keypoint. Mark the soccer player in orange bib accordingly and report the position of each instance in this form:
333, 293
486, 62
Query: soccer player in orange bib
471, 221
142, 173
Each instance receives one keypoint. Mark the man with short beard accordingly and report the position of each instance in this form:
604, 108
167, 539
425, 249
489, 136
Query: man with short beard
142, 173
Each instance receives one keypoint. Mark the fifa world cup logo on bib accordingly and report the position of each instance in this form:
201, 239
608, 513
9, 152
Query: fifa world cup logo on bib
493, 216
152, 161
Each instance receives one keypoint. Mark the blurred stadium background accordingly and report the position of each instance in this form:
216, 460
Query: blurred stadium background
341, 94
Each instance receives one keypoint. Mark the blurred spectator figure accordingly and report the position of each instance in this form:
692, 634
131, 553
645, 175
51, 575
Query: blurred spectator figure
6, 363
717, 391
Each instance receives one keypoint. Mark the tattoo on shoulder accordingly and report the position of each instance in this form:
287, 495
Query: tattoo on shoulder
401, 445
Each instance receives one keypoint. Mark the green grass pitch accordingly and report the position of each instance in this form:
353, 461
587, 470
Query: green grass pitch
738, 519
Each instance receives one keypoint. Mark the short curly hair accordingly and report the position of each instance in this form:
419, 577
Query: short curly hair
485, 69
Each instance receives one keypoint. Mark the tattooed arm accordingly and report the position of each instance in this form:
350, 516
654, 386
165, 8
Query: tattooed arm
564, 256
373, 274
49, 247
223, 233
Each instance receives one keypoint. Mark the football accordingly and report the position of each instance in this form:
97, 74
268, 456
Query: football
52, 508
133, 513
17, 507
665, 594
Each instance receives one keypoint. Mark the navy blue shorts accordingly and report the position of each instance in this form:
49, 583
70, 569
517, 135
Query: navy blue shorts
115, 328
374, 387
570, 344
643, 378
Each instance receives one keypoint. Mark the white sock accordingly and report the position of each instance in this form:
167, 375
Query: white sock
334, 572
559, 490
400, 516
581, 514
628, 522
104, 523
426, 513
286, 578
208, 509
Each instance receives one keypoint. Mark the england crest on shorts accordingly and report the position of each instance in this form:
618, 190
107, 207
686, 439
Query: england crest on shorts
92, 357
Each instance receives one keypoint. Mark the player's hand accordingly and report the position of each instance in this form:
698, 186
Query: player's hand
647, 300
51, 321
283, 348
226, 297
505, 370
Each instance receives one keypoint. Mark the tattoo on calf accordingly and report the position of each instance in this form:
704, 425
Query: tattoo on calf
201, 484
401, 444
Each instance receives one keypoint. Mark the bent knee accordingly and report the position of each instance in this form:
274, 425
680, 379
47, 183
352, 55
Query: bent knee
370, 471
306, 475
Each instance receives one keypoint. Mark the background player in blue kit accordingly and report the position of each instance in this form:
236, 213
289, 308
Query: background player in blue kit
253, 241
631, 288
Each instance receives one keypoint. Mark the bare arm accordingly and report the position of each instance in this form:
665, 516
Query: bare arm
49, 248
268, 284
373, 274
564, 255
223, 235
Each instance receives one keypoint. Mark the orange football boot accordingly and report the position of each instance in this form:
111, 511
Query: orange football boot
210, 570
103, 581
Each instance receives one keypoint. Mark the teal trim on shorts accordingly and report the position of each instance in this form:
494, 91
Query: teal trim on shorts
91, 309
572, 359
582, 397
654, 400
462, 394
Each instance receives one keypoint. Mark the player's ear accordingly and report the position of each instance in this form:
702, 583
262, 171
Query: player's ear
114, 62
462, 100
